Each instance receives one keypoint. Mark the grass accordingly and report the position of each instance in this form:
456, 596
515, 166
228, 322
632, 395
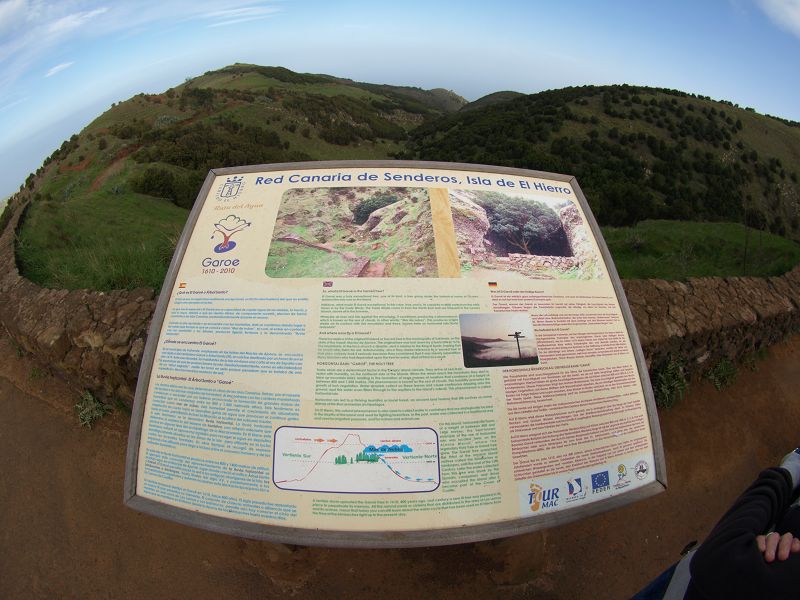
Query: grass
679, 249
104, 240
256, 82
100, 241
136, 108
292, 260
90, 409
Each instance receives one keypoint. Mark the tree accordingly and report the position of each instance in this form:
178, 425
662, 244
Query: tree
370, 205
526, 226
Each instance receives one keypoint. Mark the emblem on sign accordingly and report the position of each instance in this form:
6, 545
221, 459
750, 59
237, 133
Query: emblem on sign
232, 187
227, 227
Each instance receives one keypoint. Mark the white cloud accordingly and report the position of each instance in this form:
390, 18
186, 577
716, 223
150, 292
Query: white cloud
784, 13
243, 14
244, 11
33, 31
74, 20
235, 21
14, 103
59, 68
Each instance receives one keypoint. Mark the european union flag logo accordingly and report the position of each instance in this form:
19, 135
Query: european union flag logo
600, 480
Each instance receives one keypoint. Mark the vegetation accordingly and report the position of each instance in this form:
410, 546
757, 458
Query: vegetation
669, 383
723, 374
107, 203
680, 249
400, 245
90, 409
367, 457
523, 225
290, 260
367, 206
637, 152
108, 220
100, 242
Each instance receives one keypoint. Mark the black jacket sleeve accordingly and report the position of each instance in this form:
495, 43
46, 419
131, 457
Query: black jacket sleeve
729, 565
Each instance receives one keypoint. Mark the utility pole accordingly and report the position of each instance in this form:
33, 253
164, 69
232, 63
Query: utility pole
516, 335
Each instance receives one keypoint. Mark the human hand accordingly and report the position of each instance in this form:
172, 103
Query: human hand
775, 545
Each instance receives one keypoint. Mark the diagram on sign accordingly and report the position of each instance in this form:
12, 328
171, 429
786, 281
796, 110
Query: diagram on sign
365, 461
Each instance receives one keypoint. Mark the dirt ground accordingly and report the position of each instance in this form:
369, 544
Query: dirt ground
64, 532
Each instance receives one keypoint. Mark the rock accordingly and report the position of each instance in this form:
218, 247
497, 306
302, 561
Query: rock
577, 233
53, 340
471, 225
136, 351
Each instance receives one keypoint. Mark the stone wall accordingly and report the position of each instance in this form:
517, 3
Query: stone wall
96, 339
704, 320
533, 263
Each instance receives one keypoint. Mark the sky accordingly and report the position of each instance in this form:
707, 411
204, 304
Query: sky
490, 326
64, 63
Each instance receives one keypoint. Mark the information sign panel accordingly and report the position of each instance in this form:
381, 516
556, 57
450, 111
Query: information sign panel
397, 353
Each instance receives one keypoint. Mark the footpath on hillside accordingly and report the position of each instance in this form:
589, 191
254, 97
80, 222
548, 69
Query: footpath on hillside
64, 532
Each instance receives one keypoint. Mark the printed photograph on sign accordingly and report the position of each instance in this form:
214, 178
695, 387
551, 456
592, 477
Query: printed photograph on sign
353, 232
514, 237
497, 340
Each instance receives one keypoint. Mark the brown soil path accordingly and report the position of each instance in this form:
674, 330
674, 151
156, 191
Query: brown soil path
76, 167
115, 167
375, 269
64, 532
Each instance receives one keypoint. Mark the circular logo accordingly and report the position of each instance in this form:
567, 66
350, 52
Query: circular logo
641, 469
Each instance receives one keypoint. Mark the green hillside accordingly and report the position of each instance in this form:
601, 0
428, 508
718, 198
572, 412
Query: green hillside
637, 152
488, 100
109, 204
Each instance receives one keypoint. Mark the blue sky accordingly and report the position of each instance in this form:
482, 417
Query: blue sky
63, 63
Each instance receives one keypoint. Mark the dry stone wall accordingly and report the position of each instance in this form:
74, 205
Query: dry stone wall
96, 339
534, 263
704, 320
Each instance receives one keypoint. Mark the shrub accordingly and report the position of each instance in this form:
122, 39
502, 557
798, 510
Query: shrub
90, 409
722, 374
368, 206
669, 383
180, 188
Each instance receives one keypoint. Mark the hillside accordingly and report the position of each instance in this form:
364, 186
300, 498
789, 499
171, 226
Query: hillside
109, 204
637, 152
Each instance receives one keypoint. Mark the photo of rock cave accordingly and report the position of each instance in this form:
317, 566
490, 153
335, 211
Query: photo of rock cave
509, 237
